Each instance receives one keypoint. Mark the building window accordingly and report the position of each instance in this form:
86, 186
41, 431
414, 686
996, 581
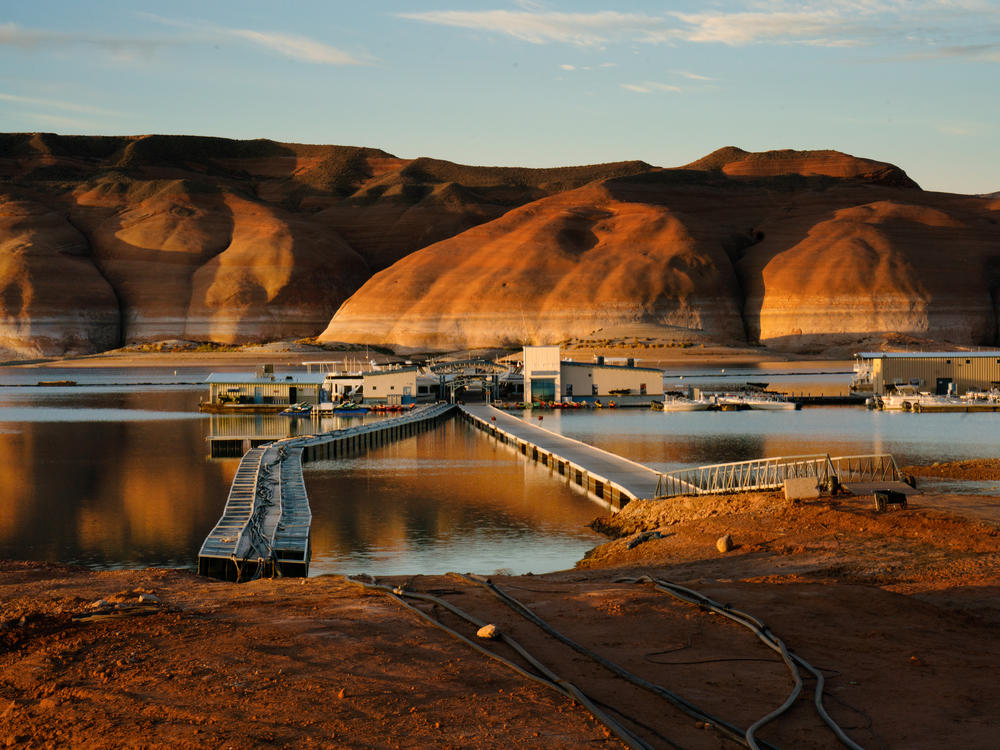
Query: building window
968, 361
947, 361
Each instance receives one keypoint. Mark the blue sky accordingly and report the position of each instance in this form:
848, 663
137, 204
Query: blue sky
547, 83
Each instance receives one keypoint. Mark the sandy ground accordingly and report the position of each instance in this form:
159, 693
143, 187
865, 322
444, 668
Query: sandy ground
900, 610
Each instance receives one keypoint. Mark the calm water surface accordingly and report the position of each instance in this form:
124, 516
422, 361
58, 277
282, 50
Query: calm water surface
117, 474
120, 476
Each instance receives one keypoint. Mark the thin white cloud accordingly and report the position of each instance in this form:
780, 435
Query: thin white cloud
57, 104
297, 47
962, 129
649, 87
13, 35
539, 27
692, 76
901, 24
567, 67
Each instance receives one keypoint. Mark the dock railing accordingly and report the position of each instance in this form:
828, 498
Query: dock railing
771, 473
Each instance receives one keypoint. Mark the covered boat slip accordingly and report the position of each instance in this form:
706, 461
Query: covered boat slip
938, 373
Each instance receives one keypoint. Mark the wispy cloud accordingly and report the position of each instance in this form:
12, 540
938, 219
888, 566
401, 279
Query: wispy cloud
692, 76
917, 25
57, 104
541, 27
13, 35
295, 46
961, 129
649, 87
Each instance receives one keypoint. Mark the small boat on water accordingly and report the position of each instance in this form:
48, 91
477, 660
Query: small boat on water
756, 401
681, 403
297, 410
350, 408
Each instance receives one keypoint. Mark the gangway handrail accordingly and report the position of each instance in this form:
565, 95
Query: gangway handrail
771, 473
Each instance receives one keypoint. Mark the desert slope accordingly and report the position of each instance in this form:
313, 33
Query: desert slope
220, 240
800, 251
114, 240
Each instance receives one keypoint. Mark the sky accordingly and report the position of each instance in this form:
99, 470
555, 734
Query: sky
524, 82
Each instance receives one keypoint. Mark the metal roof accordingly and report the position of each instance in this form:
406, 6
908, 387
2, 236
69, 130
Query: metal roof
927, 355
292, 378
610, 367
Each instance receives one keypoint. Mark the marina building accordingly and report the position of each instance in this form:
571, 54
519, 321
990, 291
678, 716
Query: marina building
264, 389
941, 373
548, 377
402, 385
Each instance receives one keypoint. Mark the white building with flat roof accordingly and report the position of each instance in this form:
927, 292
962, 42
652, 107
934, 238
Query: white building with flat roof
548, 377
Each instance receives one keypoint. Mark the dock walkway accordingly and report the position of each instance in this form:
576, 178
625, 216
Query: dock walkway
265, 526
613, 479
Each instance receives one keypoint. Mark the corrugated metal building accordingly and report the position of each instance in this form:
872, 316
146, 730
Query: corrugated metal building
935, 372
265, 388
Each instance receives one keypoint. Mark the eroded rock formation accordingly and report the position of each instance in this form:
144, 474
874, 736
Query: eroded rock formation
113, 240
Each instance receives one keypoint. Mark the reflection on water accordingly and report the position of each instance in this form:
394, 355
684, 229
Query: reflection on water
109, 493
121, 477
667, 441
448, 499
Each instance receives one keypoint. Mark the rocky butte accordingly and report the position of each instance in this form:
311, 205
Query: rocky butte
115, 240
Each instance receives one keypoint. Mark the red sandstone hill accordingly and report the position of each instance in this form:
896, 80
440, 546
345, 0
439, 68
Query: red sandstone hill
111, 240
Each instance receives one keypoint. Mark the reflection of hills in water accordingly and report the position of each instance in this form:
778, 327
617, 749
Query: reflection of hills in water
445, 490
110, 493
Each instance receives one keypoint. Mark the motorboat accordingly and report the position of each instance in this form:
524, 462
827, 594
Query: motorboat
681, 403
297, 410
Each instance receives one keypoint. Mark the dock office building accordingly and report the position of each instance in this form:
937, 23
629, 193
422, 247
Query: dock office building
547, 377
940, 373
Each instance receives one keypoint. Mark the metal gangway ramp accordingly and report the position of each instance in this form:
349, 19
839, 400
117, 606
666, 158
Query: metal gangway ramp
771, 473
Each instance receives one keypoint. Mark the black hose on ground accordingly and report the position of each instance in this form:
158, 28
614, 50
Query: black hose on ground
547, 677
726, 728
768, 638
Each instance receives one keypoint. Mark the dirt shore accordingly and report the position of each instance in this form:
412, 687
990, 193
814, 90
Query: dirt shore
900, 611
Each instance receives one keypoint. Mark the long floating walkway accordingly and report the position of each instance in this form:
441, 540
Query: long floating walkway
610, 478
265, 527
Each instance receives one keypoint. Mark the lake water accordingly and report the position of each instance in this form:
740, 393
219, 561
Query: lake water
117, 473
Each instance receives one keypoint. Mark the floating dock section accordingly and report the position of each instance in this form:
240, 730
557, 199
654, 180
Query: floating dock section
612, 479
265, 527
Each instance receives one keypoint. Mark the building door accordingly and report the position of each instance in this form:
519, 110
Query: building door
293, 394
943, 386
258, 397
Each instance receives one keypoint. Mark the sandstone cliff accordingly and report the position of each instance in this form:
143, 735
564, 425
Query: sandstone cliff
113, 240
800, 251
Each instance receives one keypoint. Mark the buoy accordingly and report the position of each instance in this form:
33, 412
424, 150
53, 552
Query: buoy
539, 417
493, 419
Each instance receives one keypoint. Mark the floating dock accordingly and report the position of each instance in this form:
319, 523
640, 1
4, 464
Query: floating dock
606, 476
265, 526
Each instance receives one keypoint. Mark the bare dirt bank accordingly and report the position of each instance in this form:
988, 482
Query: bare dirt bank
900, 610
